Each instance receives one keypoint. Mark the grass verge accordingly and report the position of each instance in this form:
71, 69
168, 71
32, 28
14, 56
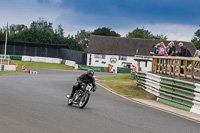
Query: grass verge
122, 84
29, 64
9, 72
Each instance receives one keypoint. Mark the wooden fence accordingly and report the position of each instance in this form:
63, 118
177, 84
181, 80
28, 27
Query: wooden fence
173, 65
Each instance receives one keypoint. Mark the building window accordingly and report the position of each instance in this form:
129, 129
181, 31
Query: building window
122, 58
99, 56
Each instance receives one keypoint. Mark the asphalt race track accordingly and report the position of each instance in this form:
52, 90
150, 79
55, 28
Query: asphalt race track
38, 104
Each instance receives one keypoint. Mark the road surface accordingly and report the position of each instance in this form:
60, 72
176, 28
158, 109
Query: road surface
38, 104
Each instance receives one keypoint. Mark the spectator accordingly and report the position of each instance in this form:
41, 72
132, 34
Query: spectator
155, 49
23, 67
197, 53
163, 49
184, 52
171, 49
158, 51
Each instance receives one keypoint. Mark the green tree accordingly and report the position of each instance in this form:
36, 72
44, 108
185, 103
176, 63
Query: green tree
196, 39
82, 38
160, 37
60, 31
41, 31
105, 32
142, 33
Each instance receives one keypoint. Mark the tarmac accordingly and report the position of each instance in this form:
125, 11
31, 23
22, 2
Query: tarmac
169, 109
166, 108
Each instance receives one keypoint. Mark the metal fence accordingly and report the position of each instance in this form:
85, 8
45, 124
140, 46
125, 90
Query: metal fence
44, 50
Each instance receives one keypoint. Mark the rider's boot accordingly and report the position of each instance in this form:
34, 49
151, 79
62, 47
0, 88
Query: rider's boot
73, 91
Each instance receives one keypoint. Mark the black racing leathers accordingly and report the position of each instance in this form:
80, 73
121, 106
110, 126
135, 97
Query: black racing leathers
84, 78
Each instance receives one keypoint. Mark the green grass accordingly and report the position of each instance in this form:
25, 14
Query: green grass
29, 64
122, 84
115, 77
9, 72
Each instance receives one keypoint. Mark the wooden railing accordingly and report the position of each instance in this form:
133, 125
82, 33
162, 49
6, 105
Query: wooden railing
172, 66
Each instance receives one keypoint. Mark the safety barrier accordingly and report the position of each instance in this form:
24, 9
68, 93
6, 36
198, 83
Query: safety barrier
7, 67
32, 72
97, 69
70, 63
177, 93
49, 60
123, 70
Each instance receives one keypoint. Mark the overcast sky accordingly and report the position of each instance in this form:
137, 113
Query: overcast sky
176, 19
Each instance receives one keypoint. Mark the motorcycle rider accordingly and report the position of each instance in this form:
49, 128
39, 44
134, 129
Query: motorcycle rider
84, 78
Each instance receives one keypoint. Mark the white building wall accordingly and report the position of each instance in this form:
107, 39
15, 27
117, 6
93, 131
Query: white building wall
105, 62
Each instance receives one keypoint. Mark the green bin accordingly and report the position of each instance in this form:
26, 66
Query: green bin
133, 75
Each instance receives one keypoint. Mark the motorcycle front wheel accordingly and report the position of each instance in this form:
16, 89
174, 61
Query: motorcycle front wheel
84, 100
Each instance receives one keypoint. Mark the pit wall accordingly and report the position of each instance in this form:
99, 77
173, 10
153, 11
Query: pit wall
173, 92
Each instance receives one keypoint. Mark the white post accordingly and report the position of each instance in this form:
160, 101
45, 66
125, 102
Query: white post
6, 40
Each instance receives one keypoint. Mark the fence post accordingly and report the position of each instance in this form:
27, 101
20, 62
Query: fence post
179, 68
166, 65
174, 68
159, 66
185, 69
162, 65
156, 64
170, 68
152, 64
192, 71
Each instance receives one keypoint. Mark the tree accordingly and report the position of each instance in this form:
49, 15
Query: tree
82, 38
142, 33
41, 31
196, 39
160, 37
105, 32
60, 31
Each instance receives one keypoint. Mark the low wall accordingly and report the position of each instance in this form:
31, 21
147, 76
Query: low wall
70, 63
97, 69
8, 68
177, 93
42, 59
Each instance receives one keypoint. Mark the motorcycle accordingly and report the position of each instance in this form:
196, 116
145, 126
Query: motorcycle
81, 96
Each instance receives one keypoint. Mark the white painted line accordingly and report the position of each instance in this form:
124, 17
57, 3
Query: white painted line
150, 105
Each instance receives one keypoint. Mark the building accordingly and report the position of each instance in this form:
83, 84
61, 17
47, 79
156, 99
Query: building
120, 52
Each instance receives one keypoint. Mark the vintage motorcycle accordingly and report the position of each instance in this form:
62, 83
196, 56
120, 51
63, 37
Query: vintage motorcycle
81, 96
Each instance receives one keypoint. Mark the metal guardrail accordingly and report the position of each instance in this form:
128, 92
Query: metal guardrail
174, 65
177, 93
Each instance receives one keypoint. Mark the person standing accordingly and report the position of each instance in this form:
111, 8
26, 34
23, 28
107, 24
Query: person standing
184, 52
197, 53
171, 49
163, 49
